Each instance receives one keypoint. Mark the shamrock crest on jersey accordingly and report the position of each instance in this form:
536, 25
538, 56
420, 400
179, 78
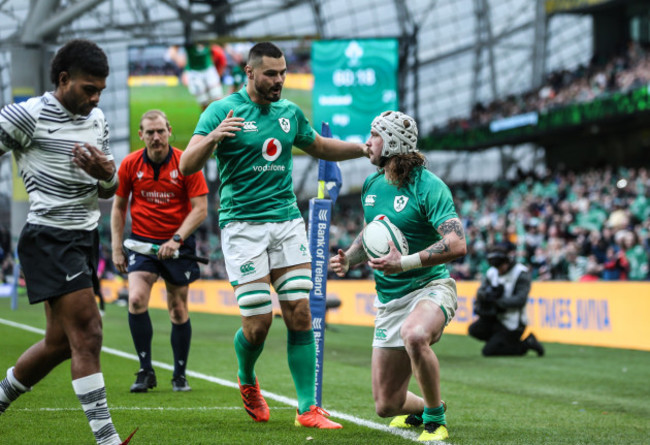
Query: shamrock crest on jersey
400, 203
285, 124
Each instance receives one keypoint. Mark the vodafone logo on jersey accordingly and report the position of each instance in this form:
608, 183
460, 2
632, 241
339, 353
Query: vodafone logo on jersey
271, 149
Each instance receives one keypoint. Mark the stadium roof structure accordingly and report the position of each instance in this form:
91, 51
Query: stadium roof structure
453, 54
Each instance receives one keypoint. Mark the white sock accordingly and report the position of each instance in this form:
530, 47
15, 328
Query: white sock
10, 390
91, 392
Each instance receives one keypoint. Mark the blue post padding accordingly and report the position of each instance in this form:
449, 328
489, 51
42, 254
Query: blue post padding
320, 215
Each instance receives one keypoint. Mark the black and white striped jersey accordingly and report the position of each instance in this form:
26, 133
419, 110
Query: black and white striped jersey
41, 133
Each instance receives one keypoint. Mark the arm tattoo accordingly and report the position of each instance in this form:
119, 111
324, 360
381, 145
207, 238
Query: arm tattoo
440, 247
357, 252
452, 225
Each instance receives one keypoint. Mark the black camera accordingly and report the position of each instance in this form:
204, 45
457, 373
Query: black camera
485, 305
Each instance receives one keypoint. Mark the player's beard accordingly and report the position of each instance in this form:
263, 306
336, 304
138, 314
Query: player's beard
272, 93
86, 109
77, 103
73, 105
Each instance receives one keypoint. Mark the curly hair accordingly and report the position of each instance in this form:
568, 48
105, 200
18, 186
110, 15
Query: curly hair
79, 55
399, 168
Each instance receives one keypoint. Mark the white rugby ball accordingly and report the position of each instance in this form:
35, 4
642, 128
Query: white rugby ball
376, 235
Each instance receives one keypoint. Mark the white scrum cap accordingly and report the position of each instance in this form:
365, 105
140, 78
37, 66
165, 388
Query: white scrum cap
398, 131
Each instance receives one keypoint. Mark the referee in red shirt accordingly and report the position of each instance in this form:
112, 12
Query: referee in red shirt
166, 209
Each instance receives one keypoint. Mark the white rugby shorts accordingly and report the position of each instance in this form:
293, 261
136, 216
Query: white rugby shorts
205, 85
391, 316
252, 250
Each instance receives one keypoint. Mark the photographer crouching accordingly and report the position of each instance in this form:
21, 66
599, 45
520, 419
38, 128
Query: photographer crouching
501, 306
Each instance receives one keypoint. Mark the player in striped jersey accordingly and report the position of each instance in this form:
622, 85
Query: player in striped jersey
60, 143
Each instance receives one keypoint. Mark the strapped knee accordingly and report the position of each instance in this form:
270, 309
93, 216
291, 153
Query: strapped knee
294, 285
254, 299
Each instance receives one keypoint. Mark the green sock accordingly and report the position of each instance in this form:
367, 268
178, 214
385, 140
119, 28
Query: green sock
247, 355
436, 415
301, 352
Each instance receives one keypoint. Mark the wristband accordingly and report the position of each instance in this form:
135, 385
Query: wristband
411, 261
110, 183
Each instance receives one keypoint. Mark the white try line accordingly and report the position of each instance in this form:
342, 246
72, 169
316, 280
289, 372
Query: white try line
153, 408
268, 395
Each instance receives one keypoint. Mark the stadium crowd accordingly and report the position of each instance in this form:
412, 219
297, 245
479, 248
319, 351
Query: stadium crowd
587, 226
628, 70
566, 226
593, 225
570, 226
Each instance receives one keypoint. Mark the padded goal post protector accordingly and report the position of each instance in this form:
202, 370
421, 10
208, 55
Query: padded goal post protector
320, 216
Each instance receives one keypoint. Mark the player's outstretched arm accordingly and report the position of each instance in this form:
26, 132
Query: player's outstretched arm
331, 149
200, 147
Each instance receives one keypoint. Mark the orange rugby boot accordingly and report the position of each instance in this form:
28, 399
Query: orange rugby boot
316, 417
254, 402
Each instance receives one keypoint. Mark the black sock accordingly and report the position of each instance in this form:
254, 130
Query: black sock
142, 333
181, 337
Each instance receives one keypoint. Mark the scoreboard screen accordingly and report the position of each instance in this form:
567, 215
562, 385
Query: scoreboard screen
354, 81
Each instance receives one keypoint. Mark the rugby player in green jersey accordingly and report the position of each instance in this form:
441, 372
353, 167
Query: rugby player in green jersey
251, 133
416, 298
201, 76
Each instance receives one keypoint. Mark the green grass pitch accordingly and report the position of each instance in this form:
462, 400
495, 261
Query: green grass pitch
183, 111
573, 395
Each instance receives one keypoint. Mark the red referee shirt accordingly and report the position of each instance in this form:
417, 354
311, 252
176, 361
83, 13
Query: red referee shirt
160, 195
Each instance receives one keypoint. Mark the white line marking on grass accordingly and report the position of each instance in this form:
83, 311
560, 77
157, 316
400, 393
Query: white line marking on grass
24, 327
152, 408
269, 395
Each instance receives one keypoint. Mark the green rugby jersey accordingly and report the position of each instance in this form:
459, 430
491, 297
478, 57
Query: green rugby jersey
255, 166
417, 210
199, 57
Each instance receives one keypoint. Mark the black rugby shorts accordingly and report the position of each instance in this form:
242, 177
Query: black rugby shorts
56, 262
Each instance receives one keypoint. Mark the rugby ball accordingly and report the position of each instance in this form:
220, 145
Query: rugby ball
376, 235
